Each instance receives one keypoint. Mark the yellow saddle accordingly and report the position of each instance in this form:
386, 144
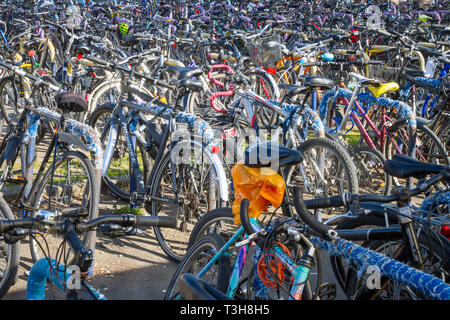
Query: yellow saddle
379, 89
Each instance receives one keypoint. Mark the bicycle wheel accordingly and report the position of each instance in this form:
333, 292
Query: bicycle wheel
196, 259
185, 191
9, 255
12, 100
109, 91
117, 179
219, 221
327, 170
441, 127
264, 86
428, 146
435, 254
73, 185
372, 178
338, 264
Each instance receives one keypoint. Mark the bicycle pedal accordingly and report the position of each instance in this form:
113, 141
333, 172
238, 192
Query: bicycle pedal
327, 291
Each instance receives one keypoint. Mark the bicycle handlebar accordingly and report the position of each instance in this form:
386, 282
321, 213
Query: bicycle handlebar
245, 220
120, 67
343, 61
23, 73
340, 201
125, 220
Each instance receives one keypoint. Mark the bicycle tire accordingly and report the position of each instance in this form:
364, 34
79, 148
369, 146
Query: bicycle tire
213, 218
174, 241
437, 251
10, 272
337, 263
8, 112
265, 87
213, 243
362, 167
93, 195
438, 153
346, 169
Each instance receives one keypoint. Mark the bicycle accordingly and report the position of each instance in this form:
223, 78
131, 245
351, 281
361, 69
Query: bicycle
170, 188
72, 179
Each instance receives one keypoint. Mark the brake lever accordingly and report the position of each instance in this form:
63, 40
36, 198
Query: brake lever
260, 233
15, 235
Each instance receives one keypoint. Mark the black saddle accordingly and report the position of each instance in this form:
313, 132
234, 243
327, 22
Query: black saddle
189, 84
129, 40
318, 82
71, 102
82, 48
193, 288
430, 51
403, 166
292, 90
264, 154
414, 72
184, 72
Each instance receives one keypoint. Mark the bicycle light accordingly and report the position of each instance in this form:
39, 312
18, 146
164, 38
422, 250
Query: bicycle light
445, 231
215, 149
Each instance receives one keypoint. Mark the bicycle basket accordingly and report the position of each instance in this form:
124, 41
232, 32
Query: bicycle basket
264, 52
385, 73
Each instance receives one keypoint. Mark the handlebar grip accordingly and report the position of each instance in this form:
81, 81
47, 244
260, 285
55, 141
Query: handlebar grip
311, 64
443, 43
302, 211
9, 224
329, 202
245, 220
156, 221
4, 225
98, 60
375, 62
384, 33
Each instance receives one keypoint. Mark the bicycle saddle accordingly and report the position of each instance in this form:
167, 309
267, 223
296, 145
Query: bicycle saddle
264, 154
189, 84
430, 51
378, 90
82, 48
184, 72
403, 166
193, 288
318, 82
129, 40
414, 72
71, 102
292, 90
363, 80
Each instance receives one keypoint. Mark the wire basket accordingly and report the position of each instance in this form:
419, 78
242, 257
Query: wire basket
265, 52
383, 73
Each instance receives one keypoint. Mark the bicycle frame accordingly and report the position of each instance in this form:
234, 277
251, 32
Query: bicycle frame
403, 110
